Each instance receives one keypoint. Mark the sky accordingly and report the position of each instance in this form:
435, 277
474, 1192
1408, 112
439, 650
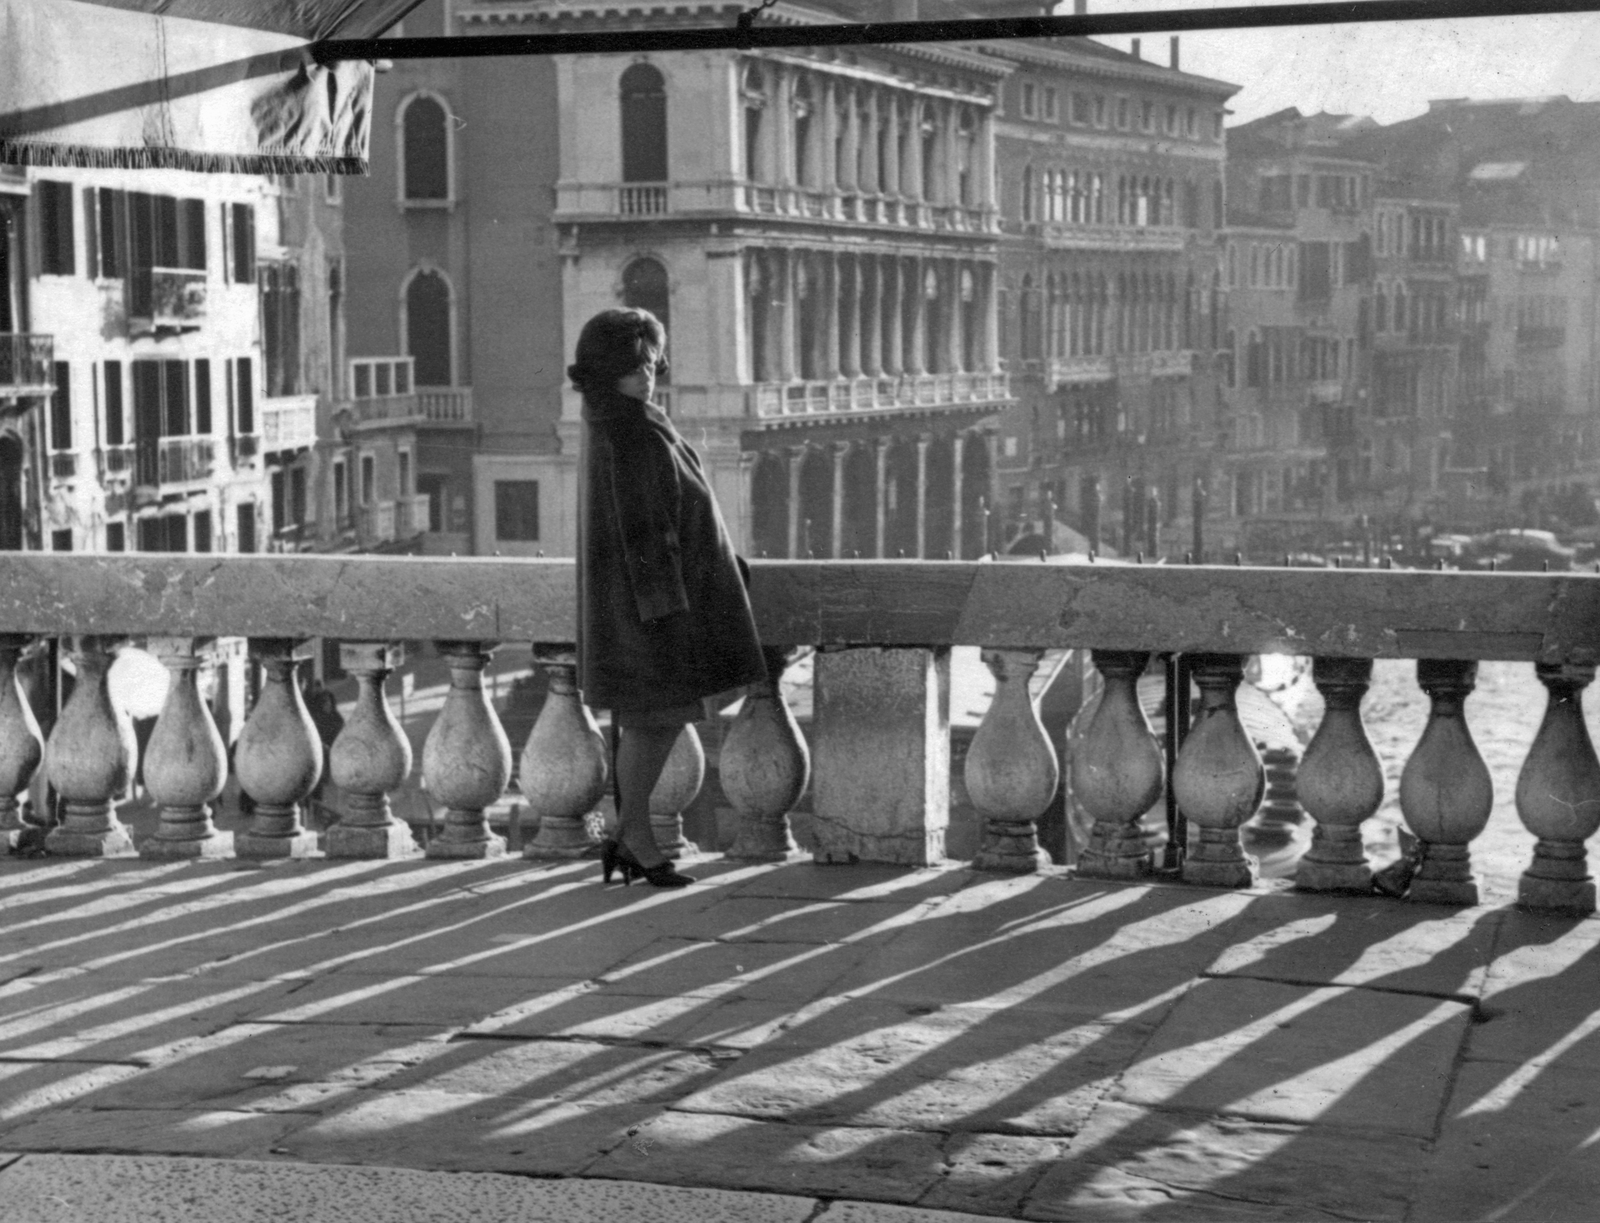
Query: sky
1388, 71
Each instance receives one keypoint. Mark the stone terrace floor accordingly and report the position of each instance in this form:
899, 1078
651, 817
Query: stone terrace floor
1041, 1048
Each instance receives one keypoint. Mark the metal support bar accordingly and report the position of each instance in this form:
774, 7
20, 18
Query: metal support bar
745, 36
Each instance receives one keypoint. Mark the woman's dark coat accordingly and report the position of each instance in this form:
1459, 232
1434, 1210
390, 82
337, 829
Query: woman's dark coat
663, 617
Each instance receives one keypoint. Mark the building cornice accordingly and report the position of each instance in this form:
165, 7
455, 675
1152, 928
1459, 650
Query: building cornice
1128, 69
677, 14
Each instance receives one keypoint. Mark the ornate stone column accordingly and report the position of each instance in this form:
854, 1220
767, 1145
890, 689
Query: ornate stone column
788, 321
21, 746
185, 762
89, 760
923, 442
832, 293
564, 763
892, 162
370, 759
880, 456
957, 448
840, 451
278, 758
466, 758
1558, 797
796, 457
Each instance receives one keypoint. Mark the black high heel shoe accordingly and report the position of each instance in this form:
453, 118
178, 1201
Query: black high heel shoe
611, 860
661, 875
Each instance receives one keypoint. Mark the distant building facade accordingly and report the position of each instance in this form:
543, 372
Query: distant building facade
1112, 192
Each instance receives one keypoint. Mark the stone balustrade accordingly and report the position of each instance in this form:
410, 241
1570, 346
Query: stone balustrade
878, 758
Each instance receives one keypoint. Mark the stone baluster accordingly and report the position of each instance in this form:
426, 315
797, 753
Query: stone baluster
1445, 790
1117, 771
89, 759
278, 758
21, 744
1011, 769
185, 762
370, 758
1217, 780
1558, 797
1339, 782
466, 758
765, 767
680, 780
564, 764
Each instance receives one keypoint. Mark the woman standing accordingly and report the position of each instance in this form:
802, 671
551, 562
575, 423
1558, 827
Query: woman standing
663, 616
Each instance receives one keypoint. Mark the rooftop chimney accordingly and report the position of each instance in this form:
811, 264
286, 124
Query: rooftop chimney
1174, 52
1135, 49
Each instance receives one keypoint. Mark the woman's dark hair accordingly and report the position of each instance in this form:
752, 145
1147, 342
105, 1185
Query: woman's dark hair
613, 344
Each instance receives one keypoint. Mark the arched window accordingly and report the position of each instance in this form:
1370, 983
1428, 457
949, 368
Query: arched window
1097, 192
1027, 193
424, 148
644, 287
1380, 310
755, 103
644, 125
428, 329
1030, 320
803, 111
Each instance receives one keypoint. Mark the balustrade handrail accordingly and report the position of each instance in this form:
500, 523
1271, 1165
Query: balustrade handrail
1552, 617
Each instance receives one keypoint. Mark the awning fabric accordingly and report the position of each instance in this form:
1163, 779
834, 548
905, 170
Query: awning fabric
217, 85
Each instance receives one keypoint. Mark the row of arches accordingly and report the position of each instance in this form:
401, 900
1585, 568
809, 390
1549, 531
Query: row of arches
1095, 313
1092, 197
922, 496
817, 315
826, 132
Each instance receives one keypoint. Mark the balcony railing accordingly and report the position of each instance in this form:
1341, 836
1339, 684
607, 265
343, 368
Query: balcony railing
627, 200
288, 422
1061, 371
847, 395
173, 460
26, 364
63, 465
244, 446
114, 460
880, 741
642, 199
445, 405
375, 522
166, 299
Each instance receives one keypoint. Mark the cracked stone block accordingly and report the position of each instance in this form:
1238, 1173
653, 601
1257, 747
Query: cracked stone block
1131, 1162
1320, 940
735, 1152
992, 1173
1361, 1058
677, 967
958, 1068
1517, 1143
152, 1131
449, 1131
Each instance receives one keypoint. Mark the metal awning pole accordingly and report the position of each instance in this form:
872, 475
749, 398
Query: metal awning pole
746, 36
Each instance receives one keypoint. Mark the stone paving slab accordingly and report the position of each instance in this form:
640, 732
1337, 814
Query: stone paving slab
1325, 940
1138, 1163
587, 1010
1272, 1052
856, 1162
85, 1016
152, 1131
451, 1000
954, 1069
111, 1189
675, 967
261, 1067
1518, 1144
448, 1131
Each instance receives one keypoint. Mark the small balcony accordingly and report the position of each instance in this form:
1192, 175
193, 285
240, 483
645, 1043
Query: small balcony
1075, 371
114, 461
166, 301
446, 406
63, 465
846, 396
391, 521
288, 423
26, 365
173, 460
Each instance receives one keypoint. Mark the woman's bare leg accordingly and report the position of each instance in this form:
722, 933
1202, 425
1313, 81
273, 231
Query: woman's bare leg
641, 755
